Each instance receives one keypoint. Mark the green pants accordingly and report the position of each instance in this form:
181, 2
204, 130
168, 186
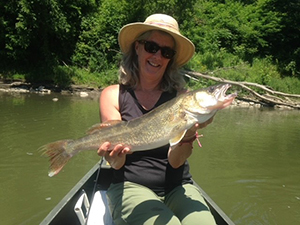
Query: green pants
132, 204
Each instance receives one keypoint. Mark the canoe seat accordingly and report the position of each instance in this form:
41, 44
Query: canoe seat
99, 210
96, 213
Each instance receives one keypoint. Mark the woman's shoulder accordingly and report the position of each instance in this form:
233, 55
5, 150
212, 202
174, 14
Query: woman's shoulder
111, 90
109, 104
110, 94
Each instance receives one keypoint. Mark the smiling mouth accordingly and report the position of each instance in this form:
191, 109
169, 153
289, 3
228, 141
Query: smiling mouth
153, 64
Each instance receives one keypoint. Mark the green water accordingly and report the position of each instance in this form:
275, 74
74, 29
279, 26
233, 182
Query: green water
249, 162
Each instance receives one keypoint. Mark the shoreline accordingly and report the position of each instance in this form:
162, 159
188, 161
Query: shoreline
19, 87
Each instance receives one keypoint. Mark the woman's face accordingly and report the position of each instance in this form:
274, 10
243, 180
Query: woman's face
153, 65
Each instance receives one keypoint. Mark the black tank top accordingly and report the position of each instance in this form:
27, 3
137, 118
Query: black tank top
149, 168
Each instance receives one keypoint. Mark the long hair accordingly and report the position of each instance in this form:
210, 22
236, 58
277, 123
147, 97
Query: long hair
129, 70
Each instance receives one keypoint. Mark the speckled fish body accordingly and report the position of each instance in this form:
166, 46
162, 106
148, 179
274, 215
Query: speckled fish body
165, 124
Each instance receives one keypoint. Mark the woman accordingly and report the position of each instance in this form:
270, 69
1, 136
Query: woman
155, 186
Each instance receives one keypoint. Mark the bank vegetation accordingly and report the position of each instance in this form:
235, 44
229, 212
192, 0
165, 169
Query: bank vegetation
75, 42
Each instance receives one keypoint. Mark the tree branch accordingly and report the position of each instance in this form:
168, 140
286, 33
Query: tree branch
268, 99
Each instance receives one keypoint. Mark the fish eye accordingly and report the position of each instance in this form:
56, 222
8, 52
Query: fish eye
211, 89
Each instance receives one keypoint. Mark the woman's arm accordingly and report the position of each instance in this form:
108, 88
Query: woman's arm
178, 154
109, 104
109, 110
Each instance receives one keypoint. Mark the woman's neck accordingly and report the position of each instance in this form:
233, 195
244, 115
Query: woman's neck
147, 95
148, 85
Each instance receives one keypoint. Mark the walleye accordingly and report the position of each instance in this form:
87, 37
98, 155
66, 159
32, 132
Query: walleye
165, 124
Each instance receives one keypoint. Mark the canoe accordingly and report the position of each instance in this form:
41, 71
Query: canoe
86, 202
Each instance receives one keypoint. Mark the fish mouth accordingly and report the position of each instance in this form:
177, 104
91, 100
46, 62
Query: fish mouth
214, 97
223, 99
220, 92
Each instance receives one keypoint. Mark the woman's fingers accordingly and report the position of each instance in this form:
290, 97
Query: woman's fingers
103, 149
118, 150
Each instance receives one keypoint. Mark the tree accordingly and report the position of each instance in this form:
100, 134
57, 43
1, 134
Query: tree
285, 43
246, 30
39, 34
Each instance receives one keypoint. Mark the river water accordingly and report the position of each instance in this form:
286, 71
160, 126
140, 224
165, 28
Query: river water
249, 162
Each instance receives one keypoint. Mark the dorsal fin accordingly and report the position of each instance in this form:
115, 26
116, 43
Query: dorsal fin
103, 125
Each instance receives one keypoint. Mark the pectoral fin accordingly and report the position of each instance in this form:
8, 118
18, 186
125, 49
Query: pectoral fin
175, 140
100, 126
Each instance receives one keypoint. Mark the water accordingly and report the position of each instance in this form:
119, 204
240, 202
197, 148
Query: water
250, 165
249, 162
28, 122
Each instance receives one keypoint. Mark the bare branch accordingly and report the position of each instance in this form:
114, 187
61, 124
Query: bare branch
266, 98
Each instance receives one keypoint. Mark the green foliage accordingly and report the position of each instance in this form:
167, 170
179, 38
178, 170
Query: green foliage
209, 61
39, 33
240, 29
261, 71
97, 48
285, 43
95, 79
253, 40
287, 85
62, 76
193, 84
65, 76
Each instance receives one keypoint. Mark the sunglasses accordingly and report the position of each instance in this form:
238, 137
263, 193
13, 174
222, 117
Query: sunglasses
152, 47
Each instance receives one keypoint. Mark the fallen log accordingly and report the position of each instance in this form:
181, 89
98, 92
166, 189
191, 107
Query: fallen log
271, 98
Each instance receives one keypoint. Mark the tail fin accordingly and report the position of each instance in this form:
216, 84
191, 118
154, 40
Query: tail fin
58, 155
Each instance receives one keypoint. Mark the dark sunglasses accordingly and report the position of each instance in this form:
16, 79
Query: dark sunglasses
152, 47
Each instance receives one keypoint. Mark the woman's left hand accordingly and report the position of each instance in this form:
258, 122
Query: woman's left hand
179, 153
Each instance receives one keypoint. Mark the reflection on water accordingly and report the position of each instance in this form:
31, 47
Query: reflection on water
249, 162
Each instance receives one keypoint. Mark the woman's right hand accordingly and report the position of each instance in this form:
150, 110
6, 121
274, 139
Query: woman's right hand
116, 156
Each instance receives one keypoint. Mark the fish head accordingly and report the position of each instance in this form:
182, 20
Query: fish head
214, 97
208, 101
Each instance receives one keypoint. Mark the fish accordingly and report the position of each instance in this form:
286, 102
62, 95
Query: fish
165, 124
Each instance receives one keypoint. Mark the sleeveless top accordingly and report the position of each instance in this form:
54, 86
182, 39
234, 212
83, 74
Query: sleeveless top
148, 168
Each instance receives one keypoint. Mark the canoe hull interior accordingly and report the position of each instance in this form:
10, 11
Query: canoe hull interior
63, 212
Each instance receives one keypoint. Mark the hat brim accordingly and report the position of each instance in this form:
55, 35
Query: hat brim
129, 33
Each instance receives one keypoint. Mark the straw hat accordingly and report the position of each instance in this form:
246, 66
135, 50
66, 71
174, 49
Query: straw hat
184, 47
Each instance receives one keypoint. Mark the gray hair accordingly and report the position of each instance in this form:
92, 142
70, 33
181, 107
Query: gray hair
129, 70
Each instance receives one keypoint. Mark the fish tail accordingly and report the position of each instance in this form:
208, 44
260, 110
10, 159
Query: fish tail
57, 154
